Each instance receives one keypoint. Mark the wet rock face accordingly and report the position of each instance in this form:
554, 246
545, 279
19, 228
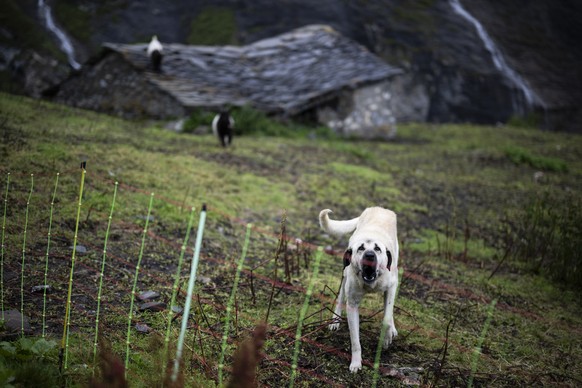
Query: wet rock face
128, 94
539, 43
33, 72
410, 98
460, 96
450, 74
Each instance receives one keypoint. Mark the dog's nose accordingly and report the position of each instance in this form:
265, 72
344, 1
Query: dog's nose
370, 255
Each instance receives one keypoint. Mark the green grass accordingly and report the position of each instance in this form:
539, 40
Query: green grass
522, 156
454, 188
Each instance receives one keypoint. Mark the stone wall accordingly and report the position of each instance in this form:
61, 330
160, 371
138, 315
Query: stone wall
365, 112
113, 86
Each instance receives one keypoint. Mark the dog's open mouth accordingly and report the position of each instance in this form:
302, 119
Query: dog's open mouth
369, 270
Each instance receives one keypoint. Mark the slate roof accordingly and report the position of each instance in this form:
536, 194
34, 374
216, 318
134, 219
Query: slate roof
284, 74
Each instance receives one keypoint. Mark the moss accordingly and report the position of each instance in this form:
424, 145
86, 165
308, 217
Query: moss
362, 172
26, 30
352, 149
75, 20
416, 15
213, 26
531, 120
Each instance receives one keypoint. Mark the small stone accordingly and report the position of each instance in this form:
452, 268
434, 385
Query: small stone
406, 375
177, 309
177, 125
202, 130
42, 288
79, 249
14, 322
142, 328
153, 306
148, 295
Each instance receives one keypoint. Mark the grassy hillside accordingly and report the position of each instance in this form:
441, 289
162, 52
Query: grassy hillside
488, 228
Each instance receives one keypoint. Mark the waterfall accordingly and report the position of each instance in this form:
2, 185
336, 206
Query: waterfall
498, 60
45, 13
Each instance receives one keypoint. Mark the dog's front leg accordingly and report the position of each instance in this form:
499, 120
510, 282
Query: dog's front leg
337, 313
388, 320
353, 315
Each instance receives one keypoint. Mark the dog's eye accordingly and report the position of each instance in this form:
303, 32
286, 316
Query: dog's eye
377, 248
361, 248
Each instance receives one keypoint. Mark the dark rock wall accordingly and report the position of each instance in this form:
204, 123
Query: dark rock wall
542, 41
450, 74
122, 91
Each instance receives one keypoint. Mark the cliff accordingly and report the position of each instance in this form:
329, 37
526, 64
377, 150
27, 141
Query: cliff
450, 73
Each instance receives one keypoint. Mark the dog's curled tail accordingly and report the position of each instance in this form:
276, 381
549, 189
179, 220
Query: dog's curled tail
337, 228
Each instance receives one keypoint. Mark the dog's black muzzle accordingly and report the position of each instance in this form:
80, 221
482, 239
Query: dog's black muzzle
369, 266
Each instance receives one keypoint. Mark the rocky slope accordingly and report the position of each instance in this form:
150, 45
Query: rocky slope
450, 74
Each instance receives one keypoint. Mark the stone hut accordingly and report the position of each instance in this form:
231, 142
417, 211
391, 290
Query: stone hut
312, 71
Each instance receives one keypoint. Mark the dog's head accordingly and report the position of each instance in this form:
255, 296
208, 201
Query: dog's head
369, 259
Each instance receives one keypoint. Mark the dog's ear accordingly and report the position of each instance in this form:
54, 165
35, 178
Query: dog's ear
347, 257
389, 256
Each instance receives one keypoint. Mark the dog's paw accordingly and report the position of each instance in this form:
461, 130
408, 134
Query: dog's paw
356, 365
335, 325
391, 333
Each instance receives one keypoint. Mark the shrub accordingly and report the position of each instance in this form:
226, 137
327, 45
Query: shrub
198, 118
249, 121
546, 236
252, 121
29, 362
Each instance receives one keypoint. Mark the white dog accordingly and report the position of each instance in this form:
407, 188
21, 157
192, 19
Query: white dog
370, 265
